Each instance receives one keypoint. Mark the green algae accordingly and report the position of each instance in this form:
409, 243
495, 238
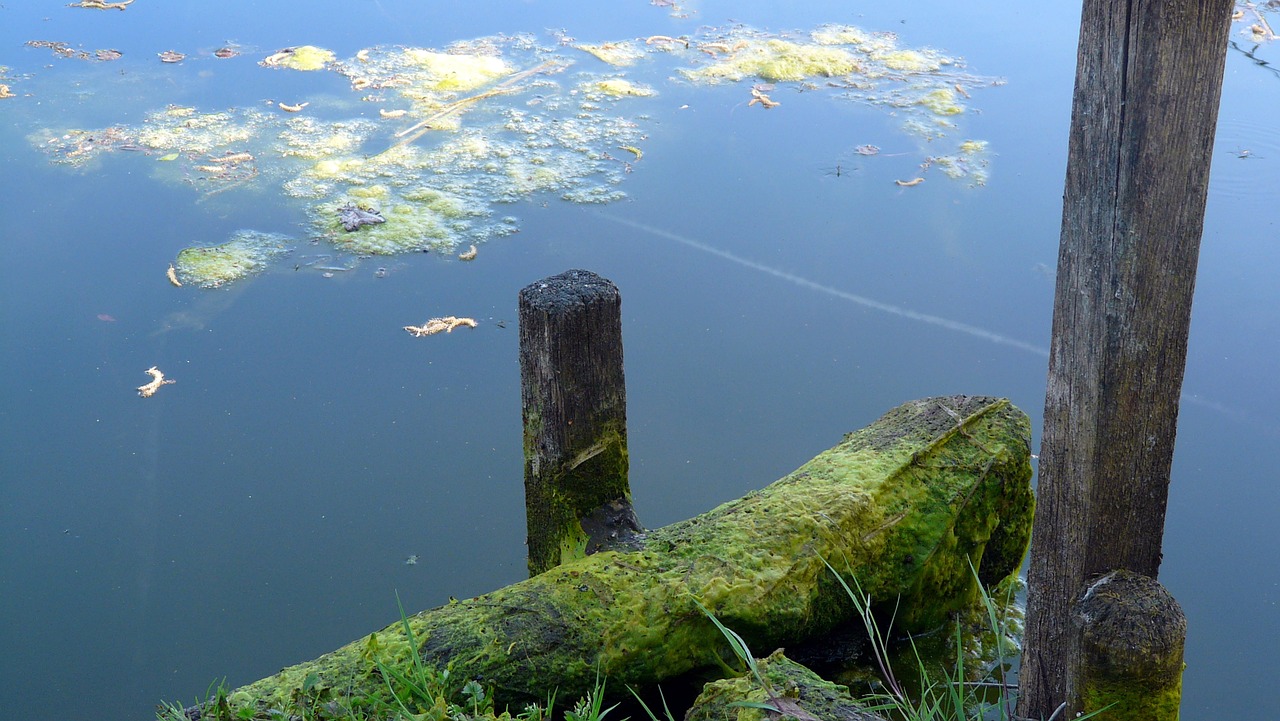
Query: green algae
303, 57
619, 53
790, 686
455, 71
247, 253
901, 505
621, 87
910, 61
942, 101
508, 119
776, 60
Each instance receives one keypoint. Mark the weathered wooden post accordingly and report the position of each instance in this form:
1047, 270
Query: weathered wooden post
1132, 633
577, 496
1148, 83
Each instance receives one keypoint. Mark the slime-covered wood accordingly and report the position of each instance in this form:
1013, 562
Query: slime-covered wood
902, 505
1132, 635
574, 403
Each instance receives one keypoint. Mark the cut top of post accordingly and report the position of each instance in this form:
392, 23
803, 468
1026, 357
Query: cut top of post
570, 289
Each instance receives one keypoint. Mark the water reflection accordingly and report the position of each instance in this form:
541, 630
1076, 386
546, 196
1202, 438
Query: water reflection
260, 511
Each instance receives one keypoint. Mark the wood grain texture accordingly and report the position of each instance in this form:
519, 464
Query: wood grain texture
574, 406
1148, 84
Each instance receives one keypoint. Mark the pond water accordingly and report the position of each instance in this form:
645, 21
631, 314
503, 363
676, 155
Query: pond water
779, 289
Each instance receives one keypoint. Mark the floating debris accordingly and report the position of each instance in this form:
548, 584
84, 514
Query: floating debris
171, 56
867, 150
437, 325
969, 162
60, 49
5, 92
470, 254
353, 217
172, 275
909, 183
758, 96
157, 380
225, 52
411, 560
101, 4
292, 108
248, 252
664, 40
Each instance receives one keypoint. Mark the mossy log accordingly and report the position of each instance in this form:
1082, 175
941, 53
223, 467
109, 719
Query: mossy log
903, 505
793, 692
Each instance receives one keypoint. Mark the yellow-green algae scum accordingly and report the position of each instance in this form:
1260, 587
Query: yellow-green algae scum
903, 506
439, 140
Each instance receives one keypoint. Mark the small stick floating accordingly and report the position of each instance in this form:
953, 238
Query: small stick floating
909, 183
469, 255
157, 380
292, 108
172, 275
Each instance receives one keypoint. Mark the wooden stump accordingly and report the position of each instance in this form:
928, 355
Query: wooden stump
577, 496
1132, 633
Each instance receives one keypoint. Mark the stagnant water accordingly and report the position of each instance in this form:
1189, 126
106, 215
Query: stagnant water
779, 288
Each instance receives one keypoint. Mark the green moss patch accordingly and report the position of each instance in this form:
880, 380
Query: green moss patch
248, 252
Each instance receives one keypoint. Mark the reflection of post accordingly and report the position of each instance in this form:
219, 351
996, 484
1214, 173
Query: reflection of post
1148, 82
577, 497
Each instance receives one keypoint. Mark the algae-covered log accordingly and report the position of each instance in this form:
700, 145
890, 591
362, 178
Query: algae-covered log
793, 692
901, 505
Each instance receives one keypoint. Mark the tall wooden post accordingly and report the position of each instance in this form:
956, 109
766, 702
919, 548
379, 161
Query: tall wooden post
1148, 83
577, 496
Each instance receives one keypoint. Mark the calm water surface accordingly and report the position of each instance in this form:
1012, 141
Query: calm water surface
259, 512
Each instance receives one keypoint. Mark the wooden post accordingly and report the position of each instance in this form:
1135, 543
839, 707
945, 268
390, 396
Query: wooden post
1132, 635
1148, 83
577, 497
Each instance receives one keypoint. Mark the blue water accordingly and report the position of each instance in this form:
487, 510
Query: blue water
258, 512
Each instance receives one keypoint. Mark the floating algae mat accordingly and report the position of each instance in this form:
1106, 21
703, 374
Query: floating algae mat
248, 252
436, 141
